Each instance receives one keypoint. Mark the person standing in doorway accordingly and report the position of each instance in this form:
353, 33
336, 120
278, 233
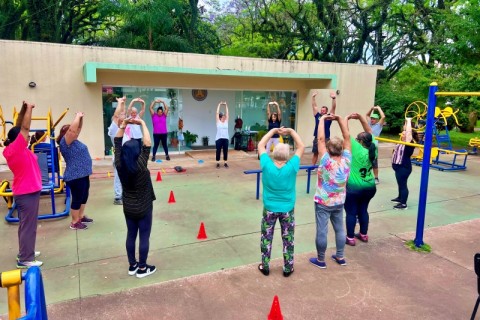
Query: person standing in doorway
26, 186
222, 137
376, 122
317, 114
274, 121
160, 131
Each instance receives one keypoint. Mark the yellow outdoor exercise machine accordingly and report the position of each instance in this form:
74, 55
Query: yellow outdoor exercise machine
52, 170
427, 152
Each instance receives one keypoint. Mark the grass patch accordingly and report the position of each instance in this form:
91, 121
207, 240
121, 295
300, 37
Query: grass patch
423, 248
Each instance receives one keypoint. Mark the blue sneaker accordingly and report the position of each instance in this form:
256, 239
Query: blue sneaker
320, 264
341, 261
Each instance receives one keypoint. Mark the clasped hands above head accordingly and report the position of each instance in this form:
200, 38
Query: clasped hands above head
133, 121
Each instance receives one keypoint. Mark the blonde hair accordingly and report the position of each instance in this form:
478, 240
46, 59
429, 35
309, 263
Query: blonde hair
281, 152
335, 146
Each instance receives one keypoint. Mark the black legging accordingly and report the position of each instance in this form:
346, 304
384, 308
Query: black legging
221, 144
157, 137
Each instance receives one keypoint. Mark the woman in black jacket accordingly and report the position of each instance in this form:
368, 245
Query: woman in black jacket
131, 162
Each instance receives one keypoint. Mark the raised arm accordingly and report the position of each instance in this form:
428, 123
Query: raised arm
407, 137
142, 111
347, 144
268, 111
24, 119
263, 142
75, 128
382, 115
333, 109
217, 115
147, 142
165, 108
226, 110
298, 141
362, 120
130, 106
279, 111
322, 148
152, 104
314, 103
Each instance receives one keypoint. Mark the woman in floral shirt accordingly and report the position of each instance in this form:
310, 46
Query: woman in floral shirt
333, 172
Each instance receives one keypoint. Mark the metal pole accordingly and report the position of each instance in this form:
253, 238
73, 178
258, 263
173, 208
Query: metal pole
427, 150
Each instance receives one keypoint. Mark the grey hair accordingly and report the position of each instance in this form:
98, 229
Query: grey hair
281, 152
335, 146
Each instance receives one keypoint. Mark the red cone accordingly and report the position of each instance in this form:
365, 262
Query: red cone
159, 176
275, 312
172, 198
202, 235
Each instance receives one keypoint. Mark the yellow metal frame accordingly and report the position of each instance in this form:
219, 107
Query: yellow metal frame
49, 127
12, 281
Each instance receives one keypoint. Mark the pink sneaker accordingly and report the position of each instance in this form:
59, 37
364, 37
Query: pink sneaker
78, 226
350, 241
361, 237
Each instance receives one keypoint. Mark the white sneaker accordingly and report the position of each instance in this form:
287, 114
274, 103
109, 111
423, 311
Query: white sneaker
28, 264
377, 181
146, 272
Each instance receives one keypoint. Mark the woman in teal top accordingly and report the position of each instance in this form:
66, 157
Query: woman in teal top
278, 181
361, 183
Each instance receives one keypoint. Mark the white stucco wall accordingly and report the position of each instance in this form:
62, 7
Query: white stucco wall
58, 72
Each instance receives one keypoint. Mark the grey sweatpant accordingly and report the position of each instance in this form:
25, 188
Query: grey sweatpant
27, 206
335, 215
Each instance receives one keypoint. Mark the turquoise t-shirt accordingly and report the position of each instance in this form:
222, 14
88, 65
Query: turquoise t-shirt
279, 192
361, 170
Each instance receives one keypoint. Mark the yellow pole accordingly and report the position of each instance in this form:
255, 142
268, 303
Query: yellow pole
468, 94
399, 142
12, 280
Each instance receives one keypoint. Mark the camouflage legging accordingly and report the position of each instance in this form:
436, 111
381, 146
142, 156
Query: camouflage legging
287, 223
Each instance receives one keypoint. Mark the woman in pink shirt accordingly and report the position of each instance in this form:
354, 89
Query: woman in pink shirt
160, 132
26, 187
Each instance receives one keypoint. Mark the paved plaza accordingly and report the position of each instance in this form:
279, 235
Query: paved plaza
85, 272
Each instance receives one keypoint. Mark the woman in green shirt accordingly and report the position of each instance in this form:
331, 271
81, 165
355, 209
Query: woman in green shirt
361, 183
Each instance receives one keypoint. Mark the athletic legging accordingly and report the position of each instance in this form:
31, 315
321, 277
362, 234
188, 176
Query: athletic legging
287, 224
221, 144
157, 137
141, 227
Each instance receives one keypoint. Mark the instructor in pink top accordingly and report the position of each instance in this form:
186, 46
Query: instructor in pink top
159, 122
26, 187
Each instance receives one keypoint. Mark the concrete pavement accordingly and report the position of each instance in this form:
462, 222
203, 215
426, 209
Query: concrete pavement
85, 271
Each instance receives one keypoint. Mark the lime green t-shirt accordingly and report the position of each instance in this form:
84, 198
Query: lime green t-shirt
361, 170
279, 184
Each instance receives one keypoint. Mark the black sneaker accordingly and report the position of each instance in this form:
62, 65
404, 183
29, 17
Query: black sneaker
225, 165
218, 165
396, 200
167, 157
133, 269
400, 206
153, 159
146, 272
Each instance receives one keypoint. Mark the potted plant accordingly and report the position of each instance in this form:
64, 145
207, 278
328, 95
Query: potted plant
205, 141
173, 139
190, 138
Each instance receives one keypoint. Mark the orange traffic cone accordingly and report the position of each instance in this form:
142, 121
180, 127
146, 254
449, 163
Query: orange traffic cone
172, 198
159, 176
202, 235
275, 312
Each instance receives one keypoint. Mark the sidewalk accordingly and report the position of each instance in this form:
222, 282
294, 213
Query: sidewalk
217, 278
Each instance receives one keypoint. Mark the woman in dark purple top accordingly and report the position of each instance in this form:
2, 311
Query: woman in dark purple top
274, 121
